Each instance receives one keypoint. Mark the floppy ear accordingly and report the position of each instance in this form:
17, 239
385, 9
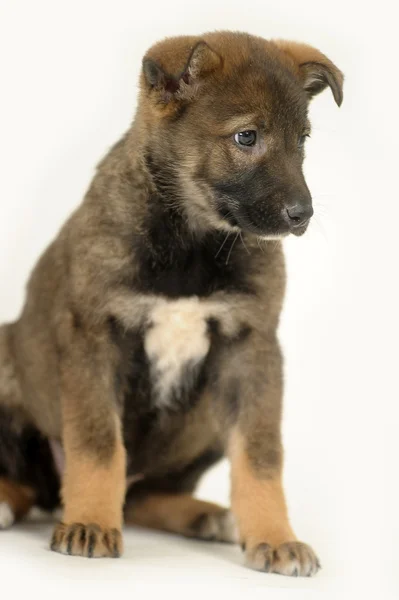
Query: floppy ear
314, 69
175, 68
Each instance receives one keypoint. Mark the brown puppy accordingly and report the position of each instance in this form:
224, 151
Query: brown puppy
147, 345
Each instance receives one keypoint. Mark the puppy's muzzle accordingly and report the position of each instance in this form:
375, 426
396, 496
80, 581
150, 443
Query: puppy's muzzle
298, 215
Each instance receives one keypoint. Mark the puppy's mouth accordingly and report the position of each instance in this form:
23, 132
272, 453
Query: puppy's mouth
298, 231
238, 220
274, 226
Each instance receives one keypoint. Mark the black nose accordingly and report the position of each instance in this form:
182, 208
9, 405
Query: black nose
299, 214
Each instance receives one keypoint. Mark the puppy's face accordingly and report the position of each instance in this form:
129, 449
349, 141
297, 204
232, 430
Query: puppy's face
232, 126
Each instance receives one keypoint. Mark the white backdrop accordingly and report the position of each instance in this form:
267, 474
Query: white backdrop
69, 72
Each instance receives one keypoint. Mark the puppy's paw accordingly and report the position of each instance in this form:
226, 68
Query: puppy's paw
215, 526
89, 540
7, 516
297, 559
293, 558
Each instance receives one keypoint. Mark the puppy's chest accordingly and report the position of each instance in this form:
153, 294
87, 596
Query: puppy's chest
176, 345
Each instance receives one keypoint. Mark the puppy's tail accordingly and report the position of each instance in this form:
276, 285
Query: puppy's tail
10, 390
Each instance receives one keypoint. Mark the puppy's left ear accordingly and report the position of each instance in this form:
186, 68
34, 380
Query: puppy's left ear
314, 69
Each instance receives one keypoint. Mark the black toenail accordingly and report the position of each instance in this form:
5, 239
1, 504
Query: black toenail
69, 540
82, 537
91, 544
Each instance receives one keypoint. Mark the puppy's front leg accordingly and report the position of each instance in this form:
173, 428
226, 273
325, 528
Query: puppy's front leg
93, 487
255, 452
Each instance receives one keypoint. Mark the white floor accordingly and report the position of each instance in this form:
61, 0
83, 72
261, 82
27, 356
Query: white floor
151, 560
156, 563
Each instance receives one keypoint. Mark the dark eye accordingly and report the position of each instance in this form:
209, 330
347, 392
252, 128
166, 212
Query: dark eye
245, 138
302, 139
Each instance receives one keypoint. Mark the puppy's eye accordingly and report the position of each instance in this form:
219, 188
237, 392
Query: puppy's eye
246, 138
302, 139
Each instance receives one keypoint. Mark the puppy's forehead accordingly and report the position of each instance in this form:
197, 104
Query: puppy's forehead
261, 88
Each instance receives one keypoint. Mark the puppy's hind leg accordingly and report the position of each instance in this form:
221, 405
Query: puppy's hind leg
184, 515
10, 390
15, 501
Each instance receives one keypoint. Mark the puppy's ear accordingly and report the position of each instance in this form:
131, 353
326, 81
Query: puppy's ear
173, 70
314, 69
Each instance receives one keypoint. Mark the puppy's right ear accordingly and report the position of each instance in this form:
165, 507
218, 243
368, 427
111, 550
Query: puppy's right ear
194, 61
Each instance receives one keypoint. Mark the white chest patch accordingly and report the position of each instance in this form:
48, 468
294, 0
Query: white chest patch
176, 342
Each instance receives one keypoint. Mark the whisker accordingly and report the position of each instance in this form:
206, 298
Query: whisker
231, 247
321, 228
263, 244
244, 244
222, 244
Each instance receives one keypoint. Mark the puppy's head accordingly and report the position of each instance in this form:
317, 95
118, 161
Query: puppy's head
225, 119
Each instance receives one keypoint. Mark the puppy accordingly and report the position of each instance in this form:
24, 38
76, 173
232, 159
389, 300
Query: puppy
147, 345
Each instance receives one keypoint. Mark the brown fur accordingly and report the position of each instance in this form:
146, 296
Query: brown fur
184, 515
152, 238
258, 502
20, 498
86, 478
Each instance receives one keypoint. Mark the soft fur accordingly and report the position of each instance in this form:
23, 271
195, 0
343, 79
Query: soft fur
147, 345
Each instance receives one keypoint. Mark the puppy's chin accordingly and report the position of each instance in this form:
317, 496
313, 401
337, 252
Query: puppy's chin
277, 236
259, 230
231, 226
298, 231
280, 236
